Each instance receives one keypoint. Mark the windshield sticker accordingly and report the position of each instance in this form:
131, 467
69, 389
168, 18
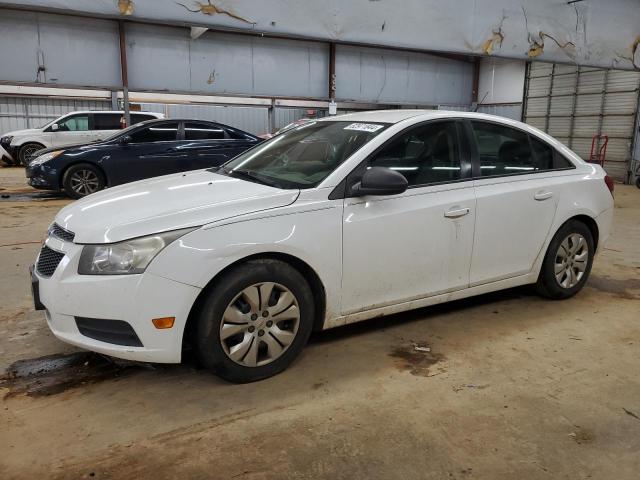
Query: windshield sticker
364, 127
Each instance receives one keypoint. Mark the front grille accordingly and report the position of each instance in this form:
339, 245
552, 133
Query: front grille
117, 332
48, 261
59, 232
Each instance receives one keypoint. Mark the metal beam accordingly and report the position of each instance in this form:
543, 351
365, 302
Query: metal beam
123, 71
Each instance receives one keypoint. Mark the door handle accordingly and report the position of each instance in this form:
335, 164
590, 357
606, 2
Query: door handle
543, 195
459, 212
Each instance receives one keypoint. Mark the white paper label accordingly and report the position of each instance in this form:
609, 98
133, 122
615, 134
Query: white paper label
364, 127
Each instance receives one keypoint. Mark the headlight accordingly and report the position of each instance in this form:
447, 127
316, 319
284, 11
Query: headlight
6, 139
130, 256
45, 157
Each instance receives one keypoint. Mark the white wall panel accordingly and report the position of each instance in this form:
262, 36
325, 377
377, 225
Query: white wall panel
378, 75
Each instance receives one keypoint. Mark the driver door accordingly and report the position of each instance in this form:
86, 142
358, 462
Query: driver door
403, 247
153, 150
72, 130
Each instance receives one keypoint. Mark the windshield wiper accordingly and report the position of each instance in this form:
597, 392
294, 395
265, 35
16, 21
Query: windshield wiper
250, 176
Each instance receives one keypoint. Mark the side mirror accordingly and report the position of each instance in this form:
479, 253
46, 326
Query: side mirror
54, 127
124, 140
380, 181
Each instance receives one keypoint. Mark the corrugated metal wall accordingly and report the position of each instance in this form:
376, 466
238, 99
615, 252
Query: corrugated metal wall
574, 103
17, 113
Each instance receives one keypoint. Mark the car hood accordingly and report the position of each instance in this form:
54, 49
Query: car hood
167, 203
73, 148
21, 133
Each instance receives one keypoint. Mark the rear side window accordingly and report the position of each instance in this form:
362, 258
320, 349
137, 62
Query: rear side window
203, 131
158, 132
502, 150
546, 157
106, 121
426, 154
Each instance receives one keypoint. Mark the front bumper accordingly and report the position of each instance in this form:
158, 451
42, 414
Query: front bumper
42, 177
135, 299
4, 153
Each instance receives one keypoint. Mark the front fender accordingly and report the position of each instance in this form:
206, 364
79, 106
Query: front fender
313, 237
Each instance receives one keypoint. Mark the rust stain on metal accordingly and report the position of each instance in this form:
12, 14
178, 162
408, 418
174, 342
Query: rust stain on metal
635, 52
126, 7
496, 39
211, 9
536, 45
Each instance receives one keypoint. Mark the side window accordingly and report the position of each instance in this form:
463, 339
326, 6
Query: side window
158, 132
426, 154
502, 150
203, 131
106, 121
75, 123
546, 157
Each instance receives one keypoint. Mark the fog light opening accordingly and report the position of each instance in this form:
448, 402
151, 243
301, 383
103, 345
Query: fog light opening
164, 322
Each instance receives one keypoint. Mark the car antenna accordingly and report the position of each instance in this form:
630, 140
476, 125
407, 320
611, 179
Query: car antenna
480, 102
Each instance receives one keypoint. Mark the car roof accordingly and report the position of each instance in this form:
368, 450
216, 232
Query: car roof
111, 111
396, 116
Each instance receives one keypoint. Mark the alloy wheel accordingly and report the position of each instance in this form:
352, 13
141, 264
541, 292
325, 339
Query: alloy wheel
571, 260
84, 182
28, 151
259, 324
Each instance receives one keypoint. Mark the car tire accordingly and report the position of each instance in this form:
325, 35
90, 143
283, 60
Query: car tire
568, 261
638, 182
26, 151
82, 179
254, 321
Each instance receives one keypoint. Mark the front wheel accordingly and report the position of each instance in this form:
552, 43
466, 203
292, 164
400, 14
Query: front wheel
26, 152
81, 180
568, 261
638, 181
255, 321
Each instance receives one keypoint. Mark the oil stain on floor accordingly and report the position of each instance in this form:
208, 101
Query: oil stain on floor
417, 359
53, 374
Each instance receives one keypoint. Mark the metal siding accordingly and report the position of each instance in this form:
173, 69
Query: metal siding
509, 111
165, 58
17, 113
378, 75
605, 101
63, 45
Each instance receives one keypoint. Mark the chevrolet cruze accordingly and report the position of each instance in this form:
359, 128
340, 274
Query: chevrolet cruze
332, 222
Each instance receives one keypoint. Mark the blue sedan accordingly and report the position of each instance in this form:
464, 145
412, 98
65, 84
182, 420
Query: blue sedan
148, 149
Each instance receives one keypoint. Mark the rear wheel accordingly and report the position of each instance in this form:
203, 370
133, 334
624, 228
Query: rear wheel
568, 261
26, 152
638, 182
81, 180
255, 321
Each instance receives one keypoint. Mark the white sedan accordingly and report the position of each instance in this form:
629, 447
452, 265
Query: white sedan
332, 222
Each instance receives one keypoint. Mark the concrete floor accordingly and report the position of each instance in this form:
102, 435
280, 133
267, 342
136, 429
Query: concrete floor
515, 386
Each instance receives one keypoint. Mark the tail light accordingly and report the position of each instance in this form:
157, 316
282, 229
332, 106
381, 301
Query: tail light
609, 181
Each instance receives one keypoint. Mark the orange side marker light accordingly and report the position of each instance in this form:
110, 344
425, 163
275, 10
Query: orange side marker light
164, 322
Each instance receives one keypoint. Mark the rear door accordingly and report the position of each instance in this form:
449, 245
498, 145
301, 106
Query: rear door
152, 151
73, 129
517, 190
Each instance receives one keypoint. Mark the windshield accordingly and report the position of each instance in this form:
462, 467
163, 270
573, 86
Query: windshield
303, 156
